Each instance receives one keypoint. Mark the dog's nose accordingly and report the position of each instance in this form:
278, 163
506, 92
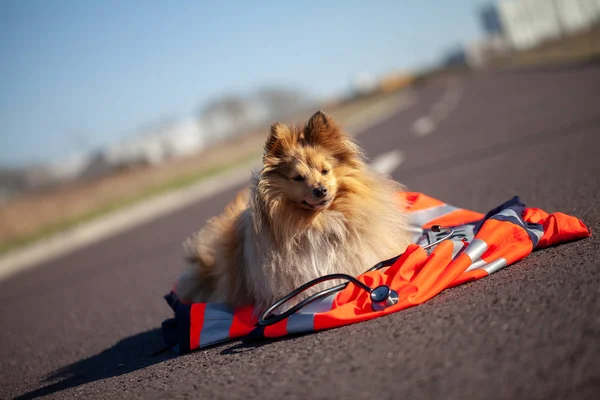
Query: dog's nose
320, 192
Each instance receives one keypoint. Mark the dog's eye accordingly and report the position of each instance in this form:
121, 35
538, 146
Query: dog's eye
325, 171
298, 178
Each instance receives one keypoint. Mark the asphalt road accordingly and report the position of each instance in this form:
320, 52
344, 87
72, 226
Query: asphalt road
85, 325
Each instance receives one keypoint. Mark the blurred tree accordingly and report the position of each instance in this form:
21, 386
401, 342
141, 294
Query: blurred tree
282, 102
233, 115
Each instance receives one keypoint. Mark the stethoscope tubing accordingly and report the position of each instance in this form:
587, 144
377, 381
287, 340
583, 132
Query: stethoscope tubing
267, 319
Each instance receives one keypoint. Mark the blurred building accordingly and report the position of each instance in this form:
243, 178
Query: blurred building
364, 83
517, 25
529, 23
184, 139
154, 144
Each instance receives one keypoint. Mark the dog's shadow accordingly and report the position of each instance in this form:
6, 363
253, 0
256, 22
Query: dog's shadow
130, 354
245, 345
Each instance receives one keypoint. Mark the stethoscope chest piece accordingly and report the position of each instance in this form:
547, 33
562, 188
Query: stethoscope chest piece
383, 297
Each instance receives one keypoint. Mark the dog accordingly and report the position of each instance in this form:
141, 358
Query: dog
314, 208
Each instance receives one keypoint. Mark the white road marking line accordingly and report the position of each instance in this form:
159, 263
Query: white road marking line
423, 126
447, 102
386, 163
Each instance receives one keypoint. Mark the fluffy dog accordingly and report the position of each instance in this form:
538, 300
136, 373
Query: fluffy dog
313, 209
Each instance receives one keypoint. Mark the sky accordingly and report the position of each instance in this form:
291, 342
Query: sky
77, 75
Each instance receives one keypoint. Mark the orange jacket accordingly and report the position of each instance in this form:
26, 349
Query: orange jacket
481, 245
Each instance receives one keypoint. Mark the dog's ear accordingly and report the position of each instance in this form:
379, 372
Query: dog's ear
279, 136
320, 129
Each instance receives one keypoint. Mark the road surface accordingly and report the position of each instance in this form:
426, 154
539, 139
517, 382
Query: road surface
86, 325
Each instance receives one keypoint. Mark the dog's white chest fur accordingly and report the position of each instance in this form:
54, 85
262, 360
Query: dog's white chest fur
275, 270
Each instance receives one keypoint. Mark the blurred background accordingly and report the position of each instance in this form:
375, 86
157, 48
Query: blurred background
106, 104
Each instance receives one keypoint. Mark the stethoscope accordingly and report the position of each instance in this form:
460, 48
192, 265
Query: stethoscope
381, 297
